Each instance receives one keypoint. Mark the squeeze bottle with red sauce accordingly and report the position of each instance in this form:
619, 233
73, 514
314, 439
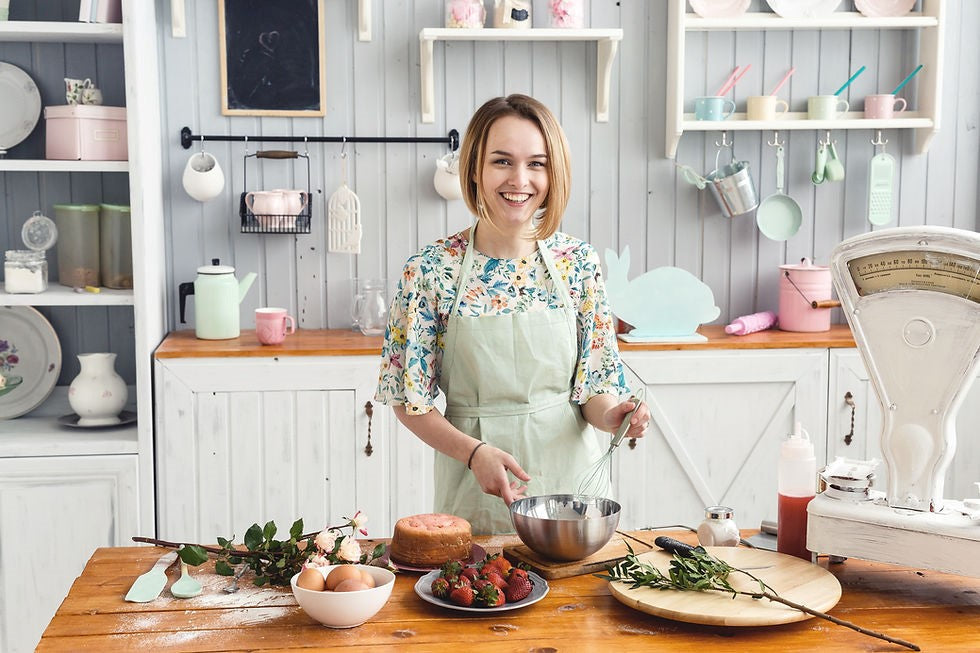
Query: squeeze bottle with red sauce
797, 485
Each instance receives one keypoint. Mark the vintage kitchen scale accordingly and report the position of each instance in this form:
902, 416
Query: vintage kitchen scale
912, 298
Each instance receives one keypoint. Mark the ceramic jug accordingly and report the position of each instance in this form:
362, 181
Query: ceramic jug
217, 294
370, 309
203, 179
97, 394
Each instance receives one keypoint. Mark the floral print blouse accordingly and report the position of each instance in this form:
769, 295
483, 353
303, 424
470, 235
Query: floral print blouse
413, 345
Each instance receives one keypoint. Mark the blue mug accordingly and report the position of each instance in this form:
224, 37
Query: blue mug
713, 107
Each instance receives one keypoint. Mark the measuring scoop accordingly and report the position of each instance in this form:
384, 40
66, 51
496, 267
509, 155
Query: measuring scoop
779, 216
185, 587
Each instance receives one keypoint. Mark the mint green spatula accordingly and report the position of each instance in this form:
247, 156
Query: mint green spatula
149, 585
881, 172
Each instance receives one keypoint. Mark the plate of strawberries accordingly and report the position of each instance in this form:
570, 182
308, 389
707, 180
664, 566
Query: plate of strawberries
491, 585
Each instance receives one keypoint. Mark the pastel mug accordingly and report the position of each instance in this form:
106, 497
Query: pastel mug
825, 107
765, 107
883, 106
74, 89
713, 107
294, 201
272, 325
266, 202
91, 96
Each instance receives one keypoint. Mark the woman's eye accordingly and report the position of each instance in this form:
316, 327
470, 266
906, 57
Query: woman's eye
501, 162
537, 164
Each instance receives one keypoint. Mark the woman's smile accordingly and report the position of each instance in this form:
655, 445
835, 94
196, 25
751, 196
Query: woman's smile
515, 172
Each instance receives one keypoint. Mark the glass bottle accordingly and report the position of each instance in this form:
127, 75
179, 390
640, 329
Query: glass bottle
718, 527
78, 244
466, 14
370, 309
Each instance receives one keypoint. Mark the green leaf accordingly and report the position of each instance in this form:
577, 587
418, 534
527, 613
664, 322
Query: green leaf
260, 581
269, 531
296, 530
222, 568
223, 543
253, 537
378, 551
193, 555
235, 560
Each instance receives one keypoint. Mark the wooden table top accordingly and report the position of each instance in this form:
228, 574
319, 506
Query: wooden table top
939, 612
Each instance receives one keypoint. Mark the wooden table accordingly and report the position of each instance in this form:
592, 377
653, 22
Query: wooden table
939, 612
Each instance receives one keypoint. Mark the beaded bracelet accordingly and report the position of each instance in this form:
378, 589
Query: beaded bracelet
469, 462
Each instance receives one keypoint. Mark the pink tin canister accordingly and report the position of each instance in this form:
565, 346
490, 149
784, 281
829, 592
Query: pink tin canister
804, 297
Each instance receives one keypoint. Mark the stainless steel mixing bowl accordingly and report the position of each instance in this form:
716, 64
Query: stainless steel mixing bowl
565, 526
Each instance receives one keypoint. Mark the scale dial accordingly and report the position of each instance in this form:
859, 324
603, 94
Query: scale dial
945, 272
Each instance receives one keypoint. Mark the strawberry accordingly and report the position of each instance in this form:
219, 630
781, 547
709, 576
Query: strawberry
495, 578
470, 572
490, 597
517, 571
497, 561
440, 588
461, 594
480, 583
518, 588
451, 569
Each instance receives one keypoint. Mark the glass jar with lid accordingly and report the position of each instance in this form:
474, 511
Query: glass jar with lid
718, 527
115, 246
465, 14
78, 246
25, 271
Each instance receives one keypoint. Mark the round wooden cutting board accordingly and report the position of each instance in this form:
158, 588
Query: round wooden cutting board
791, 578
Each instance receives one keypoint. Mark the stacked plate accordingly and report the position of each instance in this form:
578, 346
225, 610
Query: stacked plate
720, 8
804, 8
884, 8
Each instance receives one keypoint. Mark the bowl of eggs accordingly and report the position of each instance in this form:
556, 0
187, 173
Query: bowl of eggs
342, 596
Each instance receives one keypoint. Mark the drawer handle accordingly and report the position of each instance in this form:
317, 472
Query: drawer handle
369, 410
849, 400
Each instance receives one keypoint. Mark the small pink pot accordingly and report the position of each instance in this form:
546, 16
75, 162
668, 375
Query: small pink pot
804, 297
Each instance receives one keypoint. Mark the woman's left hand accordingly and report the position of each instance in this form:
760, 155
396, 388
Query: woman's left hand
613, 417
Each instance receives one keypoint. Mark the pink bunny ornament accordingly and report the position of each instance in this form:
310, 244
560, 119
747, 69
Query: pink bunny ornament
666, 304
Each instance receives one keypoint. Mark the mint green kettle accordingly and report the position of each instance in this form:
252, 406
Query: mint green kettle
217, 294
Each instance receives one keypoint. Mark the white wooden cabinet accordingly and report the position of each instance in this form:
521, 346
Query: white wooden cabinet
249, 440
848, 375
56, 510
718, 418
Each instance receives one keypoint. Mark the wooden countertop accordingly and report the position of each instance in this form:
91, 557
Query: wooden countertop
343, 342
939, 612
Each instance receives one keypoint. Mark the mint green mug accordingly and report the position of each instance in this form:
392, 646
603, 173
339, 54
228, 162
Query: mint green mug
825, 107
713, 107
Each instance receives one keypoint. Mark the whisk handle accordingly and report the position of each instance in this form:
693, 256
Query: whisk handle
624, 426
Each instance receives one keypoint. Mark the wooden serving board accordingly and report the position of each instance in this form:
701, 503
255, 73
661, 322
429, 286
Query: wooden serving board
614, 551
791, 578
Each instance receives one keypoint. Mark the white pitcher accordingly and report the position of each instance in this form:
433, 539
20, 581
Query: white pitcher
97, 394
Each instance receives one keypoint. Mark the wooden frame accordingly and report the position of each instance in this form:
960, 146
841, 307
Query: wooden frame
272, 58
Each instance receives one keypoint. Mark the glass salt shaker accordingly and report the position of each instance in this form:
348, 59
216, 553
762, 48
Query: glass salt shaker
718, 527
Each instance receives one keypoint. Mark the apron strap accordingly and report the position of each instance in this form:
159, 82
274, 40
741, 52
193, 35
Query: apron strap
509, 410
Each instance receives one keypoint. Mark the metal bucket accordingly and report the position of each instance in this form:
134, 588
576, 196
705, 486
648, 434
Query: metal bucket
733, 189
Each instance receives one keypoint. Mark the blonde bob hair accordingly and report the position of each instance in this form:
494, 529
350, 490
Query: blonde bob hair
473, 153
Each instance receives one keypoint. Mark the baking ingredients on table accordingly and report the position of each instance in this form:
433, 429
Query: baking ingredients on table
115, 246
746, 324
78, 244
797, 486
718, 527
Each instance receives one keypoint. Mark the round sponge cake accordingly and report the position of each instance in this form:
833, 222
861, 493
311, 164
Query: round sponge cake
431, 539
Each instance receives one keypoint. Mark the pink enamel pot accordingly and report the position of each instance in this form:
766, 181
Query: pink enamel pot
804, 297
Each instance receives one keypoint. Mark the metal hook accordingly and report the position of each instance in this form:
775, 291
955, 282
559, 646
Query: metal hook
775, 142
202, 143
306, 149
343, 147
724, 141
246, 145
877, 140
826, 142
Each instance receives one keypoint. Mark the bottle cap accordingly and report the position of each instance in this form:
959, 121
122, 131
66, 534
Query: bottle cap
798, 445
719, 512
39, 232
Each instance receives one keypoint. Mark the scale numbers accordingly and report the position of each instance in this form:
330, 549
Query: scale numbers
953, 274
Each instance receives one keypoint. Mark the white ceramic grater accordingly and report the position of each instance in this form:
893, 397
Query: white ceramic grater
881, 172
344, 217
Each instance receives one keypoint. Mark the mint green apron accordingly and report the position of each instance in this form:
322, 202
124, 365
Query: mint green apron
507, 381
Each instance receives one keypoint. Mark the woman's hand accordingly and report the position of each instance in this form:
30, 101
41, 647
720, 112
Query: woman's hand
490, 466
614, 416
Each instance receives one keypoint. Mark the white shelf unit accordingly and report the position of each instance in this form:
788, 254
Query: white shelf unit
925, 121
34, 31
607, 43
58, 295
46, 165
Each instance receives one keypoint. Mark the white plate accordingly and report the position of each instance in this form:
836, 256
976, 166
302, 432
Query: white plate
539, 589
720, 8
803, 8
125, 417
883, 8
21, 105
27, 339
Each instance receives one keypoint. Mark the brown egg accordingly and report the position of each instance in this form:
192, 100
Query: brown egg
367, 578
351, 585
310, 579
340, 573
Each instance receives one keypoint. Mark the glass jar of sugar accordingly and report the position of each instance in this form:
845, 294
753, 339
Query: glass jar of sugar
718, 527
25, 271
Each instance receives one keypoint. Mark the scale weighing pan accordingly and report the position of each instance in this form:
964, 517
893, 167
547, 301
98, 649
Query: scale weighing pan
912, 298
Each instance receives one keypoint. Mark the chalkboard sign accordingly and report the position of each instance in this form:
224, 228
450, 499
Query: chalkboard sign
272, 61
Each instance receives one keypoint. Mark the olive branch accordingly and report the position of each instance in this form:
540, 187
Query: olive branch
699, 571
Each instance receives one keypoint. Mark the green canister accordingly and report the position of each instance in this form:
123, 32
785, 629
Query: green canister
78, 244
116, 246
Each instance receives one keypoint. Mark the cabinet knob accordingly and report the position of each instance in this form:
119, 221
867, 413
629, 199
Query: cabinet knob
849, 400
369, 411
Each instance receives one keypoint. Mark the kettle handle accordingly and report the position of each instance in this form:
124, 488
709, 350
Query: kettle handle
184, 289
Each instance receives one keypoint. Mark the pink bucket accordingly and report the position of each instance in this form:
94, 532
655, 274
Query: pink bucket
804, 297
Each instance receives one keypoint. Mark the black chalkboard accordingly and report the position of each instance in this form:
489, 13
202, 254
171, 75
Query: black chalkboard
272, 57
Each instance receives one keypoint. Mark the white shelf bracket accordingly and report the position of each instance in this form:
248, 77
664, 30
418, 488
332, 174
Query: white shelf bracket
605, 55
428, 88
363, 20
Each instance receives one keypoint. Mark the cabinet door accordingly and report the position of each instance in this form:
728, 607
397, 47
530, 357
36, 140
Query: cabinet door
252, 440
717, 422
412, 467
848, 375
55, 512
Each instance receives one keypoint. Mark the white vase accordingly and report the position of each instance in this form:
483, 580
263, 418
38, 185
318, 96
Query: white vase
97, 394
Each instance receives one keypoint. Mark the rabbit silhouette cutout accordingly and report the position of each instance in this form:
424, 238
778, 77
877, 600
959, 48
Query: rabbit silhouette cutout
663, 304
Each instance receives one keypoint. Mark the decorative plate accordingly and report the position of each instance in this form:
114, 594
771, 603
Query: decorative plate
125, 417
883, 8
21, 105
477, 553
804, 8
720, 8
539, 589
29, 348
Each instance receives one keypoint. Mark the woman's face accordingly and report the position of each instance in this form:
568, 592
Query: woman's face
514, 179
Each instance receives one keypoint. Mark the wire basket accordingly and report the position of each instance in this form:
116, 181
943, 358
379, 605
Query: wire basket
277, 223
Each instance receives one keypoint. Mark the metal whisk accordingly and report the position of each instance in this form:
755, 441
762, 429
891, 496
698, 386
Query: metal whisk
595, 479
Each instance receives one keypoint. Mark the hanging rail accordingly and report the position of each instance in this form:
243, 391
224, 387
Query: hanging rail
187, 137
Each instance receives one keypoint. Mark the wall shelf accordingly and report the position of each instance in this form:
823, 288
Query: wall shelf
36, 31
46, 165
925, 120
607, 43
58, 295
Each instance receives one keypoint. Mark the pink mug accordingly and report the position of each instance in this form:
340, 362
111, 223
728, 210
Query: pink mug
271, 325
883, 106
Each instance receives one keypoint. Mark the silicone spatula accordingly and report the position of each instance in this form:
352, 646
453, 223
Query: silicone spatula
148, 586
881, 171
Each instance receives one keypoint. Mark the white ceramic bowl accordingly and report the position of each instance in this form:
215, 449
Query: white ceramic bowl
346, 609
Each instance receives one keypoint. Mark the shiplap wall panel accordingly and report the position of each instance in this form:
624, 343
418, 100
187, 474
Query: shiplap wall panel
624, 191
